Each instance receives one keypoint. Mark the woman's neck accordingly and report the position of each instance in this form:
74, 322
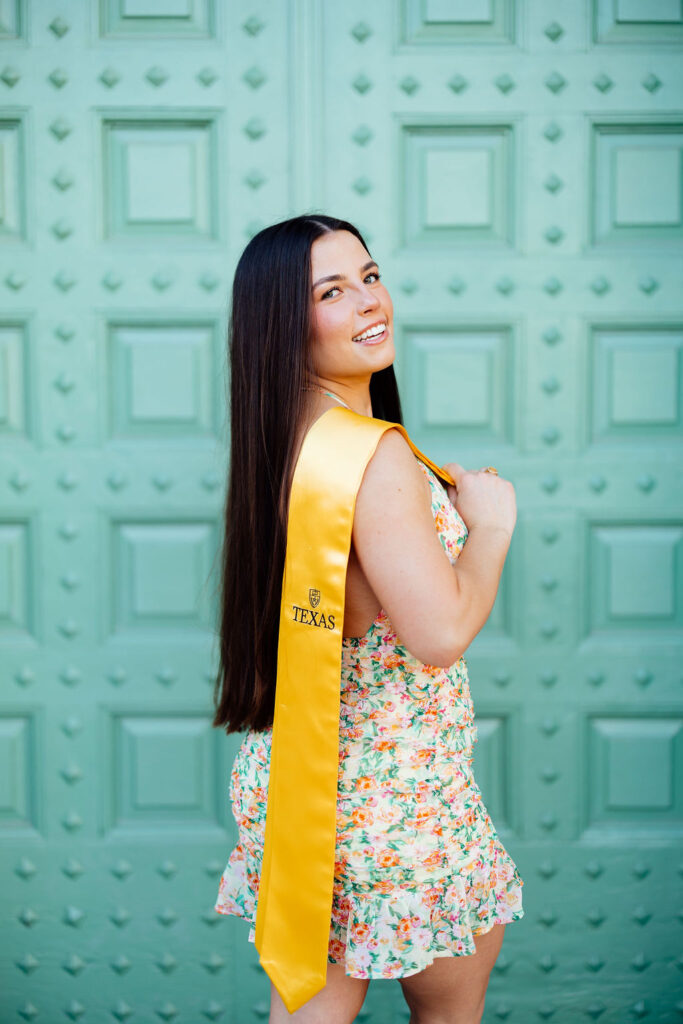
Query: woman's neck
323, 394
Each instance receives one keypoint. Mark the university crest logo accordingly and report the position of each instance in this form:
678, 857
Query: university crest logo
315, 615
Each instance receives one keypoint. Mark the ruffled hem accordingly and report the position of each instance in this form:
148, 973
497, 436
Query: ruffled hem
397, 933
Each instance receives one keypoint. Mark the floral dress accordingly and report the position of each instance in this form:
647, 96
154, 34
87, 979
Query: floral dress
419, 867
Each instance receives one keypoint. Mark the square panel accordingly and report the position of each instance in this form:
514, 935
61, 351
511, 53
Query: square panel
634, 774
158, 772
461, 380
13, 178
156, 580
160, 378
456, 184
635, 583
632, 22
157, 19
16, 373
637, 183
159, 177
637, 392
493, 767
18, 592
20, 778
12, 20
456, 22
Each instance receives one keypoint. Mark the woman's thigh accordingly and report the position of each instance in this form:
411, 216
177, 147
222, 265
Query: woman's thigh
337, 1003
453, 988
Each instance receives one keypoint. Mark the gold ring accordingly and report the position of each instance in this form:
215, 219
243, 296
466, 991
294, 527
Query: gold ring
490, 469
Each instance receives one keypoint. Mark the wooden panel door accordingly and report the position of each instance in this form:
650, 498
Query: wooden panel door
516, 170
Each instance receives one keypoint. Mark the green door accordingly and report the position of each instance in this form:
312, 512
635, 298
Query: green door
516, 169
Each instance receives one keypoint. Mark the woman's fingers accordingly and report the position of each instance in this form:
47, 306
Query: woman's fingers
455, 470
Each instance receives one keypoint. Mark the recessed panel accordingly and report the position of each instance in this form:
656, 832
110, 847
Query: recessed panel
13, 179
17, 592
635, 583
160, 19
19, 777
160, 772
638, 384
634, 774
15, 374
637, 21
143, 354
493, 767
460, 381
157, 576
159, 178
637, 186
11, 20
457, 185
453, 22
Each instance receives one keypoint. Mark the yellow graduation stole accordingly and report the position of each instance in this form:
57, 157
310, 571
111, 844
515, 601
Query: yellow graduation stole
297, 877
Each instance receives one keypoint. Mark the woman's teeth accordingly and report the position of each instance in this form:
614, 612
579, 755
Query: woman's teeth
372, 336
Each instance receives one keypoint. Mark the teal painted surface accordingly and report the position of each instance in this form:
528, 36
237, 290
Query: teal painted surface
517, 172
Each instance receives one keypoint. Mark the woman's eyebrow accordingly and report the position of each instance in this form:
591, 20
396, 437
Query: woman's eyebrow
341, 277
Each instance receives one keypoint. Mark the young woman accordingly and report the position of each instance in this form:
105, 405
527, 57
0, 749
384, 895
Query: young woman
423, 887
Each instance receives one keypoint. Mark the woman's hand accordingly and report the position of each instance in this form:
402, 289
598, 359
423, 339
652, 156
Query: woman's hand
482, 498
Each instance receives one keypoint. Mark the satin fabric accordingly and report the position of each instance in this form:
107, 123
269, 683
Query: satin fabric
297, 875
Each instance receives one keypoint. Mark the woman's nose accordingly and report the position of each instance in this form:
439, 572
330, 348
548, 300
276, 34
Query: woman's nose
369, 301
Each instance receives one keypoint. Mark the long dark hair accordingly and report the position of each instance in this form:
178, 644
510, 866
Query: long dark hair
269, 339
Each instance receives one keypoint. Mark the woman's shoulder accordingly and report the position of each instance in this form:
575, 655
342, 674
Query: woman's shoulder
393, 464
393, 451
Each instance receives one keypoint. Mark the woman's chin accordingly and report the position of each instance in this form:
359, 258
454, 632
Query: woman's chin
380, 354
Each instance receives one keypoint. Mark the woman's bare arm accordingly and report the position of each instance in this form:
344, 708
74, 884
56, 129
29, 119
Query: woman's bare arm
436, 608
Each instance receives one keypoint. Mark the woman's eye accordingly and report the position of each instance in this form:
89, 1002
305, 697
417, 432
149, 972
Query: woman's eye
373, 273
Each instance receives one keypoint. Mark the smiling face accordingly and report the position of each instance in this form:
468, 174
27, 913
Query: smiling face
344, 309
